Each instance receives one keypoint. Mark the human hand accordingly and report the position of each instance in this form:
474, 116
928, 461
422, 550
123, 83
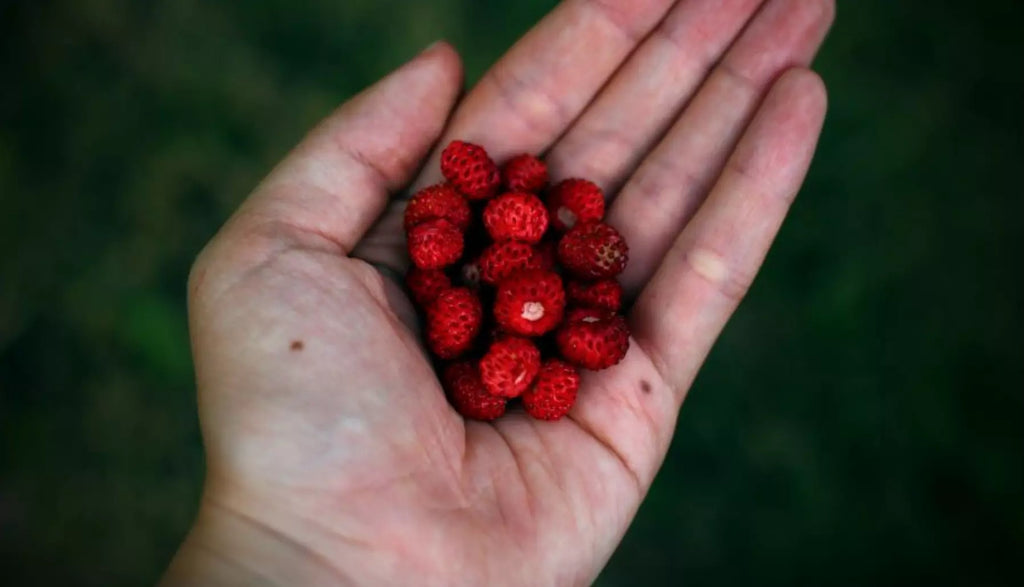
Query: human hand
332, 454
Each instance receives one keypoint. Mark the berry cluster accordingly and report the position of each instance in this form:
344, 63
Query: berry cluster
518, 292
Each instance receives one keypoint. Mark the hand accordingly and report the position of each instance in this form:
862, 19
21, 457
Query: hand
332, 454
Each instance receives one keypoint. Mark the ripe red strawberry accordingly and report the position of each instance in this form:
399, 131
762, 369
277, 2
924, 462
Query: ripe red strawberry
470, 170
500, 260
575, 200
554, 392
573, 315
605, 294
509, 366
426, 284
453, 321
592, 340
437, 201
517, 216
530, 303
468, 394
593, 250
525, 173
434, 244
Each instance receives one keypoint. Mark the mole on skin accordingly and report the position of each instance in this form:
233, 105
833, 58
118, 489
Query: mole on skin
297, 345
645, 386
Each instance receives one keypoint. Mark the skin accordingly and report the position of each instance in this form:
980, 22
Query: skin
332, 455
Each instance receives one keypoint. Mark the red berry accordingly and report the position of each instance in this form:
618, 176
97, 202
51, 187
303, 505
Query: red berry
517, 216
434, 244
574, 200
593, 340
554, 392
525, 173
437, 201
501, 260
605, 294
530, 303
573, 315
509, 366
453, 321
426, 284
593, 250
470, 170
468, 394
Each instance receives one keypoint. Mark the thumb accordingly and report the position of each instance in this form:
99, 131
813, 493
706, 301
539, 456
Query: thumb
338, 180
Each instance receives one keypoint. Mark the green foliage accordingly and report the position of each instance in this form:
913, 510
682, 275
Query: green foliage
859, 422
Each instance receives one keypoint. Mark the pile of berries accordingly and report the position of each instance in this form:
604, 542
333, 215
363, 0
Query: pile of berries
518, 292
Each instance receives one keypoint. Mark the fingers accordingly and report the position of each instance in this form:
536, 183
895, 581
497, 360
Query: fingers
336, 182
632, 407
546, 79
670, 183
646, 94
532, 94
713, 262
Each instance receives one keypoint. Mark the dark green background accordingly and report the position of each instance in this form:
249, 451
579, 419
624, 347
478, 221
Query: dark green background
858, 423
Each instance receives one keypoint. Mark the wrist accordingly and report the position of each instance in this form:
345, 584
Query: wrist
226, 546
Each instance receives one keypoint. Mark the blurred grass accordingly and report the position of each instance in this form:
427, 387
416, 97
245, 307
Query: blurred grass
859, 422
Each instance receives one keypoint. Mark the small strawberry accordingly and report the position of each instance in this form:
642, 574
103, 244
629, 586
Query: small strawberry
605, 294
426, 284
593, 340
434, 244
554, 391
590, 315
593, 250
509, 366
575, 200
470, 170
530, 303
453, 321
468, 394
517, 216
502, 259
525, 173
437, 201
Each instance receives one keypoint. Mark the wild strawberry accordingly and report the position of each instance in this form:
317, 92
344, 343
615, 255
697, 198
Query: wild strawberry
525, 173
530, 303
434, 244
468, 394
593, 340
573, 315
574, 200
470, 170
509, 366
605, 294
426, 284
500, 260
453, 321
593, 250
437, 201
554, 391
517, 216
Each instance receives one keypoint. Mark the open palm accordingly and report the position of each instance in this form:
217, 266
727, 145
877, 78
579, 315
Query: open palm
332, 453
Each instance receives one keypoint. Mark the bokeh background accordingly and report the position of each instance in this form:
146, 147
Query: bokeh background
860, 421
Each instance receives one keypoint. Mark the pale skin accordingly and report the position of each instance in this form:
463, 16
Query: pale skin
332, 454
